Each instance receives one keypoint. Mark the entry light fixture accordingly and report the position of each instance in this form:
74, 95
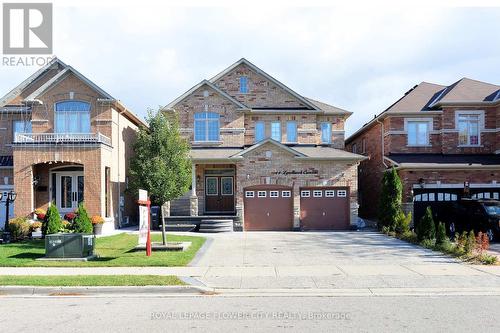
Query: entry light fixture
12, 196
421, 183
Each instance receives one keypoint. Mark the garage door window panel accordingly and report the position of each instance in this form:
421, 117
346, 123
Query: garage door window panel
261, 194
329, 193
274, 194
341, 193
317, 193
305, 194
286, 194
249, 194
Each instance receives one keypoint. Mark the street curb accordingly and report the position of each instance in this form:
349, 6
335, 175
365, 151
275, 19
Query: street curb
156, 291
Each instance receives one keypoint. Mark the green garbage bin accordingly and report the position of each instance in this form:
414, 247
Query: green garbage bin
67, 245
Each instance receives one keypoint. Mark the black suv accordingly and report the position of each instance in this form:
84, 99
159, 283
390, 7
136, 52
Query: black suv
478, 215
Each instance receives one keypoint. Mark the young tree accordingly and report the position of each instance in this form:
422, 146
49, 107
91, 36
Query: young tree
426, 228
441, 234
391, 199
82, 221
161, 164
52, 223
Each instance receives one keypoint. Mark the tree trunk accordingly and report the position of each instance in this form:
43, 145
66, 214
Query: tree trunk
165, 211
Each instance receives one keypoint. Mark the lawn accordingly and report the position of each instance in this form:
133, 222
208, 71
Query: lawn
89, 280
114, 250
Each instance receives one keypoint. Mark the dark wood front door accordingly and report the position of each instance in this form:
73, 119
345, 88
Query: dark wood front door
219, 194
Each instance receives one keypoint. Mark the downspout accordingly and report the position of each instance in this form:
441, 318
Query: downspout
382, 141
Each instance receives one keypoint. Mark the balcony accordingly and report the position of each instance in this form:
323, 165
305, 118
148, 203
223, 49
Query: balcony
61, 138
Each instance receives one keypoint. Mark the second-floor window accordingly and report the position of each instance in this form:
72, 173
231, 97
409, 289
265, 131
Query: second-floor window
276, 131
326, 133
21, 126
72, 117
291, 131
243, 84
260, 131
468, 129
206, 126
418, 133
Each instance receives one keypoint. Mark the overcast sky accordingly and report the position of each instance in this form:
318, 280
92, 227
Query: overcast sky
361, 60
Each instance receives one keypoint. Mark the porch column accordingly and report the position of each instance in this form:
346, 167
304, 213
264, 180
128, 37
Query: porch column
193, 199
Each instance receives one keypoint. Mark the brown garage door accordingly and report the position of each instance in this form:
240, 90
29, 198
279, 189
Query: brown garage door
324, 208
268, 207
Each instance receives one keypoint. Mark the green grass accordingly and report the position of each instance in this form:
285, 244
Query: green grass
90, 280
112, 251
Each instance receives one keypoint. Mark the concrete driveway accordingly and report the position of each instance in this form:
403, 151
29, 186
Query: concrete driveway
263, 260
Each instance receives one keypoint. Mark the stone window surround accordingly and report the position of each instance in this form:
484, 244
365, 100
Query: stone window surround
481, 124
430, 128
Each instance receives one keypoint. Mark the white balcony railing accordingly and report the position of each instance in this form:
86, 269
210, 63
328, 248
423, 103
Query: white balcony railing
50, 138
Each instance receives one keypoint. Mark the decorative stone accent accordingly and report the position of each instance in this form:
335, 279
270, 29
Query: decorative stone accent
193, 206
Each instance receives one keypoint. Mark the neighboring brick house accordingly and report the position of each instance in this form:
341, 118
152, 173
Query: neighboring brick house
443, 140
65, 140
265, 156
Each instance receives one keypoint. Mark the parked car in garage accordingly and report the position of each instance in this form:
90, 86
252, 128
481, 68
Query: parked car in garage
478, 215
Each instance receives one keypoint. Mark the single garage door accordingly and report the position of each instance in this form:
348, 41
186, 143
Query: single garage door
268, 208
324, 208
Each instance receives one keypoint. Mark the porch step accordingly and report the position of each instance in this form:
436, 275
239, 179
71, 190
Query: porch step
216, 225
179, 227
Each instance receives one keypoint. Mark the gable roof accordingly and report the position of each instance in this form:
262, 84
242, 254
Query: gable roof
32, 78
327, 108
267, 76
417, 98
466, 90
274, 142
196, 87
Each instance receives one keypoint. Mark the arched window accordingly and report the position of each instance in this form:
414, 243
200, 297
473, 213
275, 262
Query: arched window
72, 117
206, 126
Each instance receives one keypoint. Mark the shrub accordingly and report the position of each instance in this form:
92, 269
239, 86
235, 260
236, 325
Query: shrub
386, 230
441, 234
470, 243
487, 259
82, 221
52, 223
35, 225
428, 243
19, 228
96, 219
446, 246
409, 236
402, 223
426, 228
390, 199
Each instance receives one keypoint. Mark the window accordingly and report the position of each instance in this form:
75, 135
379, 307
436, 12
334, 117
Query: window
249, 194
243, 84
326, 133
418, 133
274, 194
260, 131
342, 193
329, 193
226, 185
211, 186
305, 194
468, 129
317, 193
72, 117
261, 194
291, 131
363, 146
206, 126
286, 194
21, 126
354, 148
276, 131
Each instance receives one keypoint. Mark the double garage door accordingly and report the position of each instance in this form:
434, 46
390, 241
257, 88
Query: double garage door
270, 207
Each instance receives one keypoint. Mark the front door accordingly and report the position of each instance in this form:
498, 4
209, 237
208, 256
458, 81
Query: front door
69, 191
219, 194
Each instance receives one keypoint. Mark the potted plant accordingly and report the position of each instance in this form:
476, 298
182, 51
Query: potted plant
36, 229
97, 222
39, 214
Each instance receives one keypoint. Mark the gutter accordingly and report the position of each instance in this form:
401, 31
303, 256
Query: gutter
434, 166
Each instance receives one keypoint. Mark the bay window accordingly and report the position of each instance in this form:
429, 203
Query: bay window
206, 126
72, 117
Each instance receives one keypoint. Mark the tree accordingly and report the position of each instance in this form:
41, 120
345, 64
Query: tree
426, 228
82, 222
441, 234
470, 243
402, 223
391, 199
161, 164
52, 223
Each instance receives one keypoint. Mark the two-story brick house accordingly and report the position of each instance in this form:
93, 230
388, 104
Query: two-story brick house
65, 140
443, 140
265, 155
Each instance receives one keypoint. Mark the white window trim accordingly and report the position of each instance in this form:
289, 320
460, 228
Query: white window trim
317, 193
286, 194
271, 130
276, 194
480, 113
232, 186
341, 193
430, 128
329, 193
249, 194
216, 187
261, 194
305, 194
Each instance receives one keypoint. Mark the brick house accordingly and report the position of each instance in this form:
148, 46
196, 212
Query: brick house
65, 140
265, 156
444, 142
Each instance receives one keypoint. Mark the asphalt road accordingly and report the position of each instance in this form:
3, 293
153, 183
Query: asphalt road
252, 314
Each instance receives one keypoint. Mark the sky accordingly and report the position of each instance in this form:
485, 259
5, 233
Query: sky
358, 57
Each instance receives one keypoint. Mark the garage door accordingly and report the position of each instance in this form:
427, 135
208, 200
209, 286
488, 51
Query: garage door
324, 208
268, 207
